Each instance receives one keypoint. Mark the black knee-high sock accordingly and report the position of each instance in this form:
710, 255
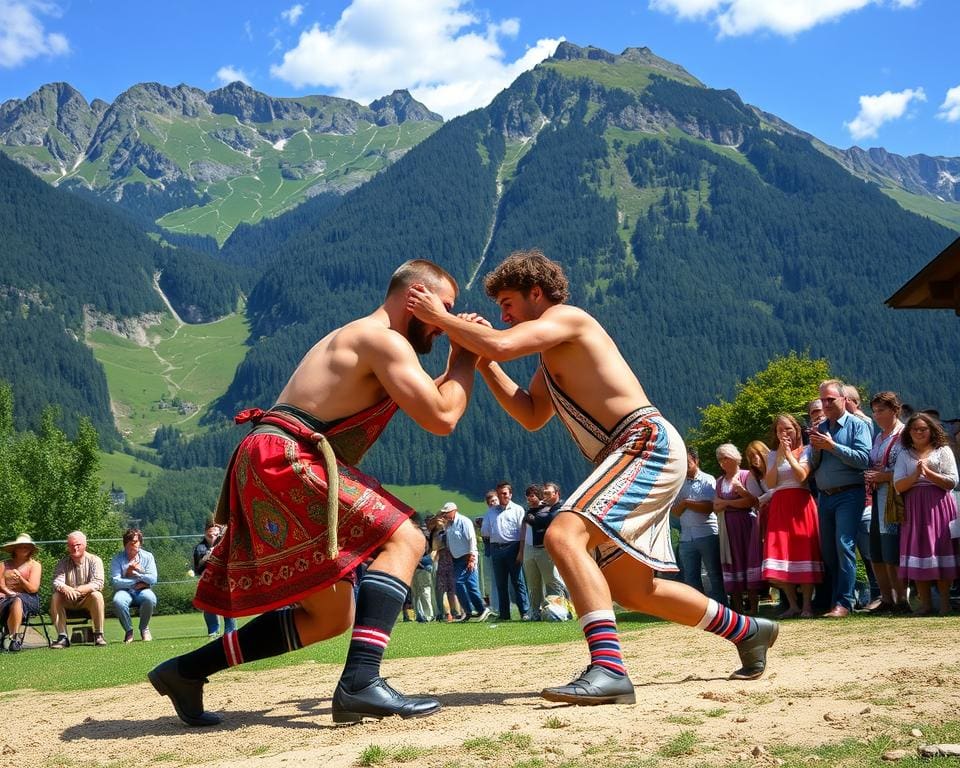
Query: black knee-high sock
270, 634
379, 602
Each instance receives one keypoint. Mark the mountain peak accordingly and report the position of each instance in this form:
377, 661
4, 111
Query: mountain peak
568, 51
644, 57
246, 103
649, 59
399, 107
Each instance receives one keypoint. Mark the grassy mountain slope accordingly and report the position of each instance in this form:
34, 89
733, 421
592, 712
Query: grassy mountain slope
173, 378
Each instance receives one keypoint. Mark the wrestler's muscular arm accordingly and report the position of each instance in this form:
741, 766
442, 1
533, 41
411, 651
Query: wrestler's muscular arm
435, 407
531, 408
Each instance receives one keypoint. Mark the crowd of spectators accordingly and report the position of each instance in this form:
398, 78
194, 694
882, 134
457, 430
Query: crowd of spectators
793, 513
456, 582
78, 585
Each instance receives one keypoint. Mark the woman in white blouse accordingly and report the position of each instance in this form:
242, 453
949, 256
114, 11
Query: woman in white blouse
791, 552
926, 474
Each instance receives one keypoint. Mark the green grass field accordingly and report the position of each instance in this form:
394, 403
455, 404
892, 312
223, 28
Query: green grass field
194, 363
123, 471
429, 499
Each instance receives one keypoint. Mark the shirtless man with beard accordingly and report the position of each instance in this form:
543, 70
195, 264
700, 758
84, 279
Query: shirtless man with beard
300, 517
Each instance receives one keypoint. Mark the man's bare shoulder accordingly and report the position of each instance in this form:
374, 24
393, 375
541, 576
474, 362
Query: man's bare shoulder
575, 319
568, 313
369, 333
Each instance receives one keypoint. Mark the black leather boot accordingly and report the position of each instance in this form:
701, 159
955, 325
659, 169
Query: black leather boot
186, 694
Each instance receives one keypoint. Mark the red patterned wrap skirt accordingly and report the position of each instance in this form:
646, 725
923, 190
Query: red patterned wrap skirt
274, 550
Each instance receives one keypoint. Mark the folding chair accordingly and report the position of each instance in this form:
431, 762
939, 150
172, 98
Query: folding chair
31, 620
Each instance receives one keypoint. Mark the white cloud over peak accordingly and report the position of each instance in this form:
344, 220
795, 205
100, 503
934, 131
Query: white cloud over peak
440, 50
22, 34
950, 109
292, 15
229, 74
877, 110
783, 17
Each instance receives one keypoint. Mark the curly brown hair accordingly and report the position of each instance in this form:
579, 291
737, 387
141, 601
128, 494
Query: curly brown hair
523, 270
938, 437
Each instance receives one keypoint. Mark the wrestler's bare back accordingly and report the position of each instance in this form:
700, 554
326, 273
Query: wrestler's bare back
335, 379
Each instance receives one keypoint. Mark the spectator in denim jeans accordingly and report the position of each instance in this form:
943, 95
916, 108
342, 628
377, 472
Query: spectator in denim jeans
699, 536
133, 572
841, 453
462, 543
501, 525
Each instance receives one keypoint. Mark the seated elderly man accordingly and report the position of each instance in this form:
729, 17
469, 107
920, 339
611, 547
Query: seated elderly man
133, 572
77, 585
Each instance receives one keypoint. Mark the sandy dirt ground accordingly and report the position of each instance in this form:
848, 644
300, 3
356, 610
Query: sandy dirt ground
826, 681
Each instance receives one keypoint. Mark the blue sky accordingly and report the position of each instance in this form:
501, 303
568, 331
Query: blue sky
865, 72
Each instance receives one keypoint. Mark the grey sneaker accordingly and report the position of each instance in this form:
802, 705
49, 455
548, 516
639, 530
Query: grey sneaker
753, 652
483, 615
595, 685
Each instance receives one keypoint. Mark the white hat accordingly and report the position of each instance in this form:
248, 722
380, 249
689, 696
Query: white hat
22, 539
448, 507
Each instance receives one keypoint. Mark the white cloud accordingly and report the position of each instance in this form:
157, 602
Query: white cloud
230, 74
292, 15
440, 50
782, 17
248, 30
877, 110
22, 34
950, 109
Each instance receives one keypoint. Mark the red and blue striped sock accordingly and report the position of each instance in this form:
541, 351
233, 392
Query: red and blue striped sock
600, 629
722, 621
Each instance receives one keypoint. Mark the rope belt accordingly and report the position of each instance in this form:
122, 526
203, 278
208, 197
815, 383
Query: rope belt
279, 422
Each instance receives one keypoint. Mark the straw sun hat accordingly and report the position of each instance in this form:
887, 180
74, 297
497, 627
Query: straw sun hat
22, 539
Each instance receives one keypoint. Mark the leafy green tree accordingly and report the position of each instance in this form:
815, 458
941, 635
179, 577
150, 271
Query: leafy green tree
49, 484
786, 385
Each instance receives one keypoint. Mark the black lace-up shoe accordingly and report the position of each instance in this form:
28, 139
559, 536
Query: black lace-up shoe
186, 694
595, 685
378, 700
753, 652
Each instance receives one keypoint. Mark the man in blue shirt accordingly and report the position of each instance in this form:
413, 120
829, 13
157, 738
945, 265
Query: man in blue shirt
462, 543
699, 530
133, 572
501, 526
841, 452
